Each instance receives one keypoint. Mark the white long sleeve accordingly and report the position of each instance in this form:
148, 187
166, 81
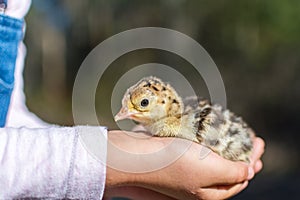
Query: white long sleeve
18, 113
40, 160
50, 163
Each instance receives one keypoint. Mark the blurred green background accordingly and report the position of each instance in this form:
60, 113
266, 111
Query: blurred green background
255, 44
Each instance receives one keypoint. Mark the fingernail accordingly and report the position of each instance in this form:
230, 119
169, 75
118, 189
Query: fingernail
250, 173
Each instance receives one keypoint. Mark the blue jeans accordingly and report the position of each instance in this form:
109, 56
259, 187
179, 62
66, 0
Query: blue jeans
11, 34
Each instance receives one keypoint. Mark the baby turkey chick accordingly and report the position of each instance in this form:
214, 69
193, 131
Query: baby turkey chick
158, 107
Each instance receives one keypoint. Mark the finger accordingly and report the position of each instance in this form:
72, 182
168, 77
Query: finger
222, 192
236, 172
258, 149
258, 166
227, 172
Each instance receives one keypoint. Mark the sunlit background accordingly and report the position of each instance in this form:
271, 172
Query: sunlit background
255, 44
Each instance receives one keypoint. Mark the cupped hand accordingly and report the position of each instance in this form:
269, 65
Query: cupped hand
189, 177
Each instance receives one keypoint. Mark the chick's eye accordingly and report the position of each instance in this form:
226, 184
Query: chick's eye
144, 102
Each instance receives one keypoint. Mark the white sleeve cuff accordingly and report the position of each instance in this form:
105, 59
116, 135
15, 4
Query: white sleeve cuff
89, 164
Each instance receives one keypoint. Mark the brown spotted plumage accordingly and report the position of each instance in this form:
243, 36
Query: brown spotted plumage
158, 107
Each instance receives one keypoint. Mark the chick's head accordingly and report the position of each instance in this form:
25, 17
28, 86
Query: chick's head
149, 100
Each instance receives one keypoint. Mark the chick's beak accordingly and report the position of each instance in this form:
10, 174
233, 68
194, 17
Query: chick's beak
123, 114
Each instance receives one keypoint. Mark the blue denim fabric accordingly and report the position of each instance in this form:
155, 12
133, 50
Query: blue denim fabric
11, 33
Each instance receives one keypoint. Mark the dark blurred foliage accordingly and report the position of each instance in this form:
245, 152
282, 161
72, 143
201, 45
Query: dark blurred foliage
255, 44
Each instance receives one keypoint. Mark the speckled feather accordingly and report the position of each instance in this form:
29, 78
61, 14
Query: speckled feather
196, 119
